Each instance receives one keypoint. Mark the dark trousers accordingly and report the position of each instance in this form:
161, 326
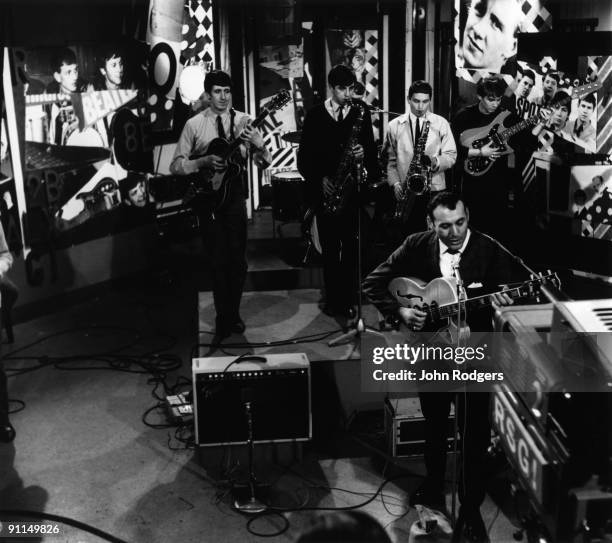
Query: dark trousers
338, 238
4, 403
475, 431
226, 238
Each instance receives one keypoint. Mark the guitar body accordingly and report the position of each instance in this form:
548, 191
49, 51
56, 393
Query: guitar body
411, 292
477, 138
214, 185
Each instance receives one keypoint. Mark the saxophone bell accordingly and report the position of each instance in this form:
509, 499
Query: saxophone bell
419, 183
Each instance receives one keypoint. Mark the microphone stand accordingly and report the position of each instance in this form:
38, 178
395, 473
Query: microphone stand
252, 505
461, 297
359, 326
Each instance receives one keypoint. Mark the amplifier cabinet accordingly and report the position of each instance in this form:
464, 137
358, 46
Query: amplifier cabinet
405, 427
278, 390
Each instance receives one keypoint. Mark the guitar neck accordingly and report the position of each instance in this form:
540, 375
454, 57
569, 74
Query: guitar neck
235, 144
515, 129
478, 302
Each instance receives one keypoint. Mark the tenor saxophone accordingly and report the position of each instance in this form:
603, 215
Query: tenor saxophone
336, 201
418, 179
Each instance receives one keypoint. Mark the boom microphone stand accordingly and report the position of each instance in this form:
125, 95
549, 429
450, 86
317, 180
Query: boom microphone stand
359, 326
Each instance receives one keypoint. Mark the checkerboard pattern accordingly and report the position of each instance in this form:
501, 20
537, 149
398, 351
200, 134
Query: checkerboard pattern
198, 38
371, 77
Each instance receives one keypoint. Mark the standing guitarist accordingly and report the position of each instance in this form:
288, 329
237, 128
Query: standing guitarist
483, 265
228, 234
486, 195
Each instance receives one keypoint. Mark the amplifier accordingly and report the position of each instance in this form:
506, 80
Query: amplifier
277, 389
405, 427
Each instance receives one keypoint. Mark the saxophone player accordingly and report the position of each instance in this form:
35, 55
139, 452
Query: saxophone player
439, 154
336, 132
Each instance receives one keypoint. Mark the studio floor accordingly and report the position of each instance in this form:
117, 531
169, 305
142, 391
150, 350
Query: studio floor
82, 450
86, 378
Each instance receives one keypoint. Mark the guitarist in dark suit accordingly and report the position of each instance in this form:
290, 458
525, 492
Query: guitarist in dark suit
483, 266
487, 195
228, 232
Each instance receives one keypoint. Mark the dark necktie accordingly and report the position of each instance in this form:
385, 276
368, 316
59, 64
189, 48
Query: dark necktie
452, 251
417, 132
220, 129
340, 116
578, 129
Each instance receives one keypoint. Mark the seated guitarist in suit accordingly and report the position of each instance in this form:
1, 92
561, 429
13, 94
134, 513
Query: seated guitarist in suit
228, 227
482, 263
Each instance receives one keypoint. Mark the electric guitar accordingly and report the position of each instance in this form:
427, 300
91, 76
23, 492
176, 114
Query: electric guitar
497, 134
445, 313
214, 184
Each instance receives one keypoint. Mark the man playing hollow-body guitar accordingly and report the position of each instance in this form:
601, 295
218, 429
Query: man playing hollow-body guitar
483, 267
228, 230
335, 133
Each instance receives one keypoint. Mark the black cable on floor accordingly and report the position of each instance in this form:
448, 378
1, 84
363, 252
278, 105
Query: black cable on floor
39, 515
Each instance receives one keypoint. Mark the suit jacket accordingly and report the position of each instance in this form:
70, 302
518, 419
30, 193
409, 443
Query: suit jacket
483, 261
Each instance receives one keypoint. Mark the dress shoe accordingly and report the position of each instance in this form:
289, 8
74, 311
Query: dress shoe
470, 527
238, 327
7, 433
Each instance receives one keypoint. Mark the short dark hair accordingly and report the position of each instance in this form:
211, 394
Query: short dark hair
108, 51
445, 199
420, 87
341, 75
347, 526
562, 98
493, 85
217, 77
530, 74
552, 75
63, 56
590, 98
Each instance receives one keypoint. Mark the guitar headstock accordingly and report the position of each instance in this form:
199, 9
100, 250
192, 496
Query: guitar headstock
583, 90
531, 288
278, 101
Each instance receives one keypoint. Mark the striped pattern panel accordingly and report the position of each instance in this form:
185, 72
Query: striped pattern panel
604, 104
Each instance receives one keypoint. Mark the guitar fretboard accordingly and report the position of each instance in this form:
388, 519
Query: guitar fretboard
479, 302
515, 129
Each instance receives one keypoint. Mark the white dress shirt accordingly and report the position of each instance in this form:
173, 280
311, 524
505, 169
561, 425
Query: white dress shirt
448, 260
334, 109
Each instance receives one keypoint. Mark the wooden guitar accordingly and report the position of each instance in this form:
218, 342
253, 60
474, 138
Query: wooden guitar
497, 134
445, 313
214, 184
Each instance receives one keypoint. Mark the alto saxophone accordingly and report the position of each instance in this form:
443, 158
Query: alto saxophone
418, 179
336, 201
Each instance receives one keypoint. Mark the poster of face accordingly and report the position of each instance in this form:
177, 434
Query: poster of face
486, 34
85, 140
590, 200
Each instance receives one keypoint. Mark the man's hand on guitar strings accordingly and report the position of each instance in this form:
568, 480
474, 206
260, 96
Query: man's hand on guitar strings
413, 317
490, 151
253, 136
501, 299
214, 162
